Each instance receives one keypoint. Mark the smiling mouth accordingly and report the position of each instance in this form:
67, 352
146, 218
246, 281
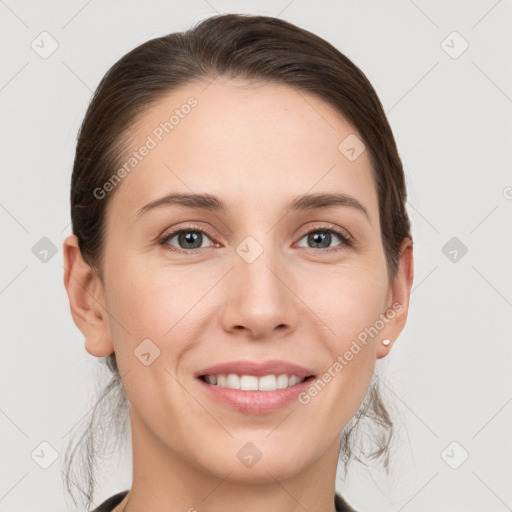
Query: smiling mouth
254, 383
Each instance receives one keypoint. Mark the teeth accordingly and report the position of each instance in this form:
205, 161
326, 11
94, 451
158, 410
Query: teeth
253, 383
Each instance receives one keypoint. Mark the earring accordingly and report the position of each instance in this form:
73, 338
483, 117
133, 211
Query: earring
385, 342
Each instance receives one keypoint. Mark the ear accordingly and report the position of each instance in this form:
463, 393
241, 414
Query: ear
398, 298
86, 300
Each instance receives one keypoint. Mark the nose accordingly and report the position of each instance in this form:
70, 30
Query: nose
260, 299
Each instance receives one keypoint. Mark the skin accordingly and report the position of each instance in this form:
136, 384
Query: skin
293, 302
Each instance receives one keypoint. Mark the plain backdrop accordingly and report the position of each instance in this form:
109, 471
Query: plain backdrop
443, 73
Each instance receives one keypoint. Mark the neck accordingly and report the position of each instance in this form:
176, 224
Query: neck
170, 479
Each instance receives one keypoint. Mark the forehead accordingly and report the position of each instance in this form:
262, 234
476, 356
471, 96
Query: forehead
254, 144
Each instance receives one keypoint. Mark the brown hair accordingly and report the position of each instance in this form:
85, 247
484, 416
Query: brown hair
232, 46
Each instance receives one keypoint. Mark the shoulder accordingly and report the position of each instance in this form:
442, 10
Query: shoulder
341, 505
109, 504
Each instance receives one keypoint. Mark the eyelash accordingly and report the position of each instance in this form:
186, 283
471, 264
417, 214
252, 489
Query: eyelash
346, 241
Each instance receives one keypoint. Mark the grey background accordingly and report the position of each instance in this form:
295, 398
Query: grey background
448, 374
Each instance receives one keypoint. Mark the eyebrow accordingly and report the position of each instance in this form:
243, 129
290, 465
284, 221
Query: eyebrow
208, 202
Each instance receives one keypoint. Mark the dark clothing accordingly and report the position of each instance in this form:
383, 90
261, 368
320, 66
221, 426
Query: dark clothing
108, 505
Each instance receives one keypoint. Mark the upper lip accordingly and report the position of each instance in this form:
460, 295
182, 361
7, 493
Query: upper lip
258, 369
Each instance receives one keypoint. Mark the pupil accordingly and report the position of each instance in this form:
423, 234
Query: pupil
318, 238
190, 238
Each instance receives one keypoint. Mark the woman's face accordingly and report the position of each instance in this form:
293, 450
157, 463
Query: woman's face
256, 281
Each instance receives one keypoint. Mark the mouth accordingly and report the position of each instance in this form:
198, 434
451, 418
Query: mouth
249, 394
255, 387
265, 383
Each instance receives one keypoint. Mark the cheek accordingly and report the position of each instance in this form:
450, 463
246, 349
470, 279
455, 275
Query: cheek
348, 300
352, 310
149, 306
159, 303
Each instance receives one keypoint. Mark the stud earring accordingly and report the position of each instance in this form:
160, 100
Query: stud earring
385, 342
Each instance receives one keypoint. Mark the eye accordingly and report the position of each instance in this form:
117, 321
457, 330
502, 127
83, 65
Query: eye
321, 237
189, 239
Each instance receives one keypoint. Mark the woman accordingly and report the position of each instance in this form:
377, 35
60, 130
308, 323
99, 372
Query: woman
241, 255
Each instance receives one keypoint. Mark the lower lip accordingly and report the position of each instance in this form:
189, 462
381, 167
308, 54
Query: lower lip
255, 402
